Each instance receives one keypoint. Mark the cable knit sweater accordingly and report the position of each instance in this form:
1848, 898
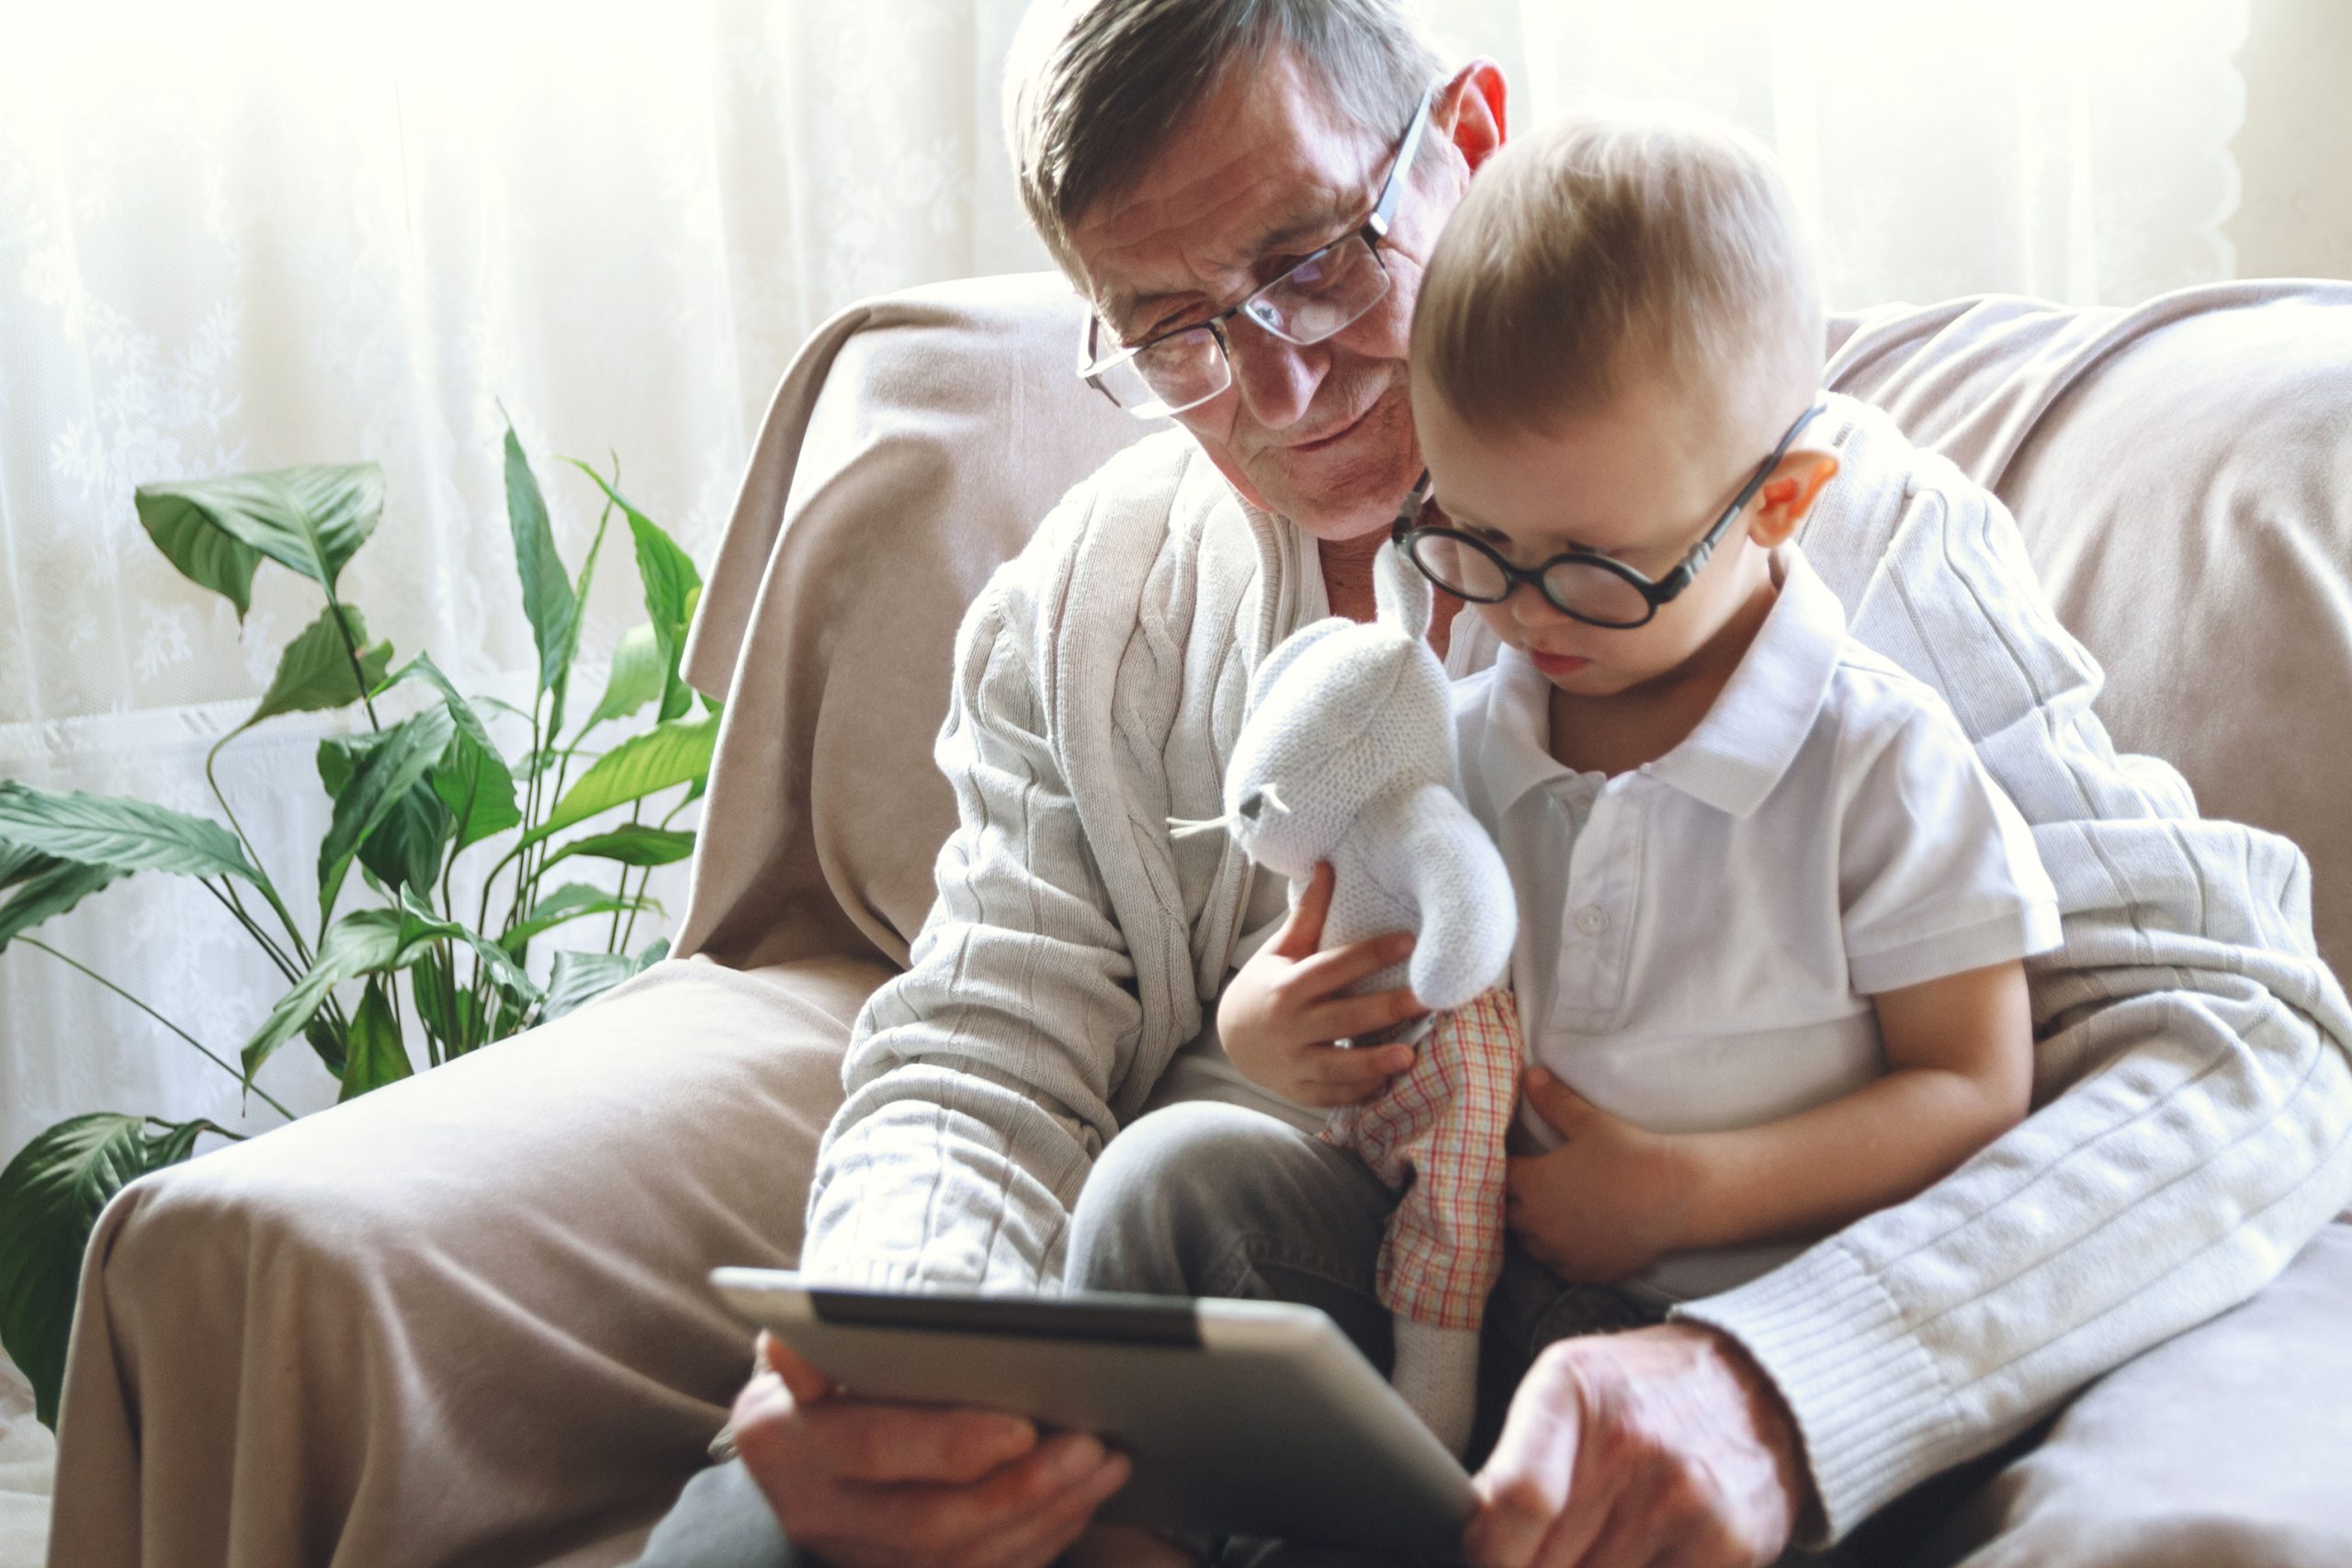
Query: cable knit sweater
2194, 1100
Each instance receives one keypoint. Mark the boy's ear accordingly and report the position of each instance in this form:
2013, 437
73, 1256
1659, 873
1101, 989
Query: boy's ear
1787, 498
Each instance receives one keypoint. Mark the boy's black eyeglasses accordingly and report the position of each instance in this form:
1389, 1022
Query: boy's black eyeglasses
1584, 585
1314, 299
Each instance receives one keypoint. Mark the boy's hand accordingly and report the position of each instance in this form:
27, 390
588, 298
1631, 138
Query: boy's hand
1284, 1011
1611, 1200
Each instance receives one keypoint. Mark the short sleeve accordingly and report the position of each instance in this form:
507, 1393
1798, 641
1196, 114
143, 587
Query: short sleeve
1936, 870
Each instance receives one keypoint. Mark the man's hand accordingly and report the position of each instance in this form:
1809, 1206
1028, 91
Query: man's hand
1284, 1011
1611, 1200
1662, 1445
868, 1485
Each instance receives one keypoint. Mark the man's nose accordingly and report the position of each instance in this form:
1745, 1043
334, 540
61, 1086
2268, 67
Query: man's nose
1277, 378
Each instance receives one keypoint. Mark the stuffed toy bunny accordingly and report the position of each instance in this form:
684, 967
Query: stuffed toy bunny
1348, 756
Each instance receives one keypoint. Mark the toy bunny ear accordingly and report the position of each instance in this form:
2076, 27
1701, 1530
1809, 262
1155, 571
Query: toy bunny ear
1401, 592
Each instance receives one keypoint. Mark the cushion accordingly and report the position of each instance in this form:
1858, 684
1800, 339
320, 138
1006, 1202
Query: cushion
912, 447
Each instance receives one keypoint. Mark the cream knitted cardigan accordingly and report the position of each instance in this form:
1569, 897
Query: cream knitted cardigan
2195, 1100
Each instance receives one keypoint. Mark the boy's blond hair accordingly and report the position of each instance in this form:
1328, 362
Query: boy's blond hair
1654, 233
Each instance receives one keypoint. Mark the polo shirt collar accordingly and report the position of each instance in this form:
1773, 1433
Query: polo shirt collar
1515, 748
1740, 750
1760, 720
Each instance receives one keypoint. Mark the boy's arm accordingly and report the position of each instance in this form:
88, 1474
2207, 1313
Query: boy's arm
1614, 1197
1960, 1061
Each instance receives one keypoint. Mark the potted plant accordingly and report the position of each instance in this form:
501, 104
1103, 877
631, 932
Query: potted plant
410, 797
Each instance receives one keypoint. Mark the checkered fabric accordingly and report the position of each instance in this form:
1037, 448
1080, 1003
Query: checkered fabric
1438, 1133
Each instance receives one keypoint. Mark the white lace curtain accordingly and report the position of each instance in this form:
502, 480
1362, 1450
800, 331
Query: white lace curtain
250, 235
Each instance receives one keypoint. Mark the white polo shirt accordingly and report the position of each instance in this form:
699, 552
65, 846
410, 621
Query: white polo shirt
1699, 937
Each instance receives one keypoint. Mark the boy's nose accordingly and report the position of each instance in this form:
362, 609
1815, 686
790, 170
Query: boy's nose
1530, 608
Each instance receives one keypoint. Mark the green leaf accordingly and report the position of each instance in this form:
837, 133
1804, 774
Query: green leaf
672, 587
579, 591
663, 757
383, 774
434, 993
633, 844
310, 519
573, 901
49, 1199
507, 1016
378, 1056
119, 833
419, 927
314, 673
45, 886
363, 940
547, 597
636, 679
325, 1043
404, 848
471, 778
580, 977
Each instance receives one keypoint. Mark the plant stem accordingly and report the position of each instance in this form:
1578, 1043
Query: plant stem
631, 929
621, 892
266, 889
237, 911
351, 651
449, 862
455, 1017
534, 798
629, 932
479, 985
159, 1018
209, 1124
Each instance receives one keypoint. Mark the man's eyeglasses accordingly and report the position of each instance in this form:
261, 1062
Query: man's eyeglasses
1584, 585
1314, 300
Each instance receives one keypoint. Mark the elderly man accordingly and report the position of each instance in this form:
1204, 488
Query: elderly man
1246, 193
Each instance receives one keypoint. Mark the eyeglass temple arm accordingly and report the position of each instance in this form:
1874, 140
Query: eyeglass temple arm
1385, 212
1692, 564
1410, 512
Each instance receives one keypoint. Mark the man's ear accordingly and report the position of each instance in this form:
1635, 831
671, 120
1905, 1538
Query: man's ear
1787, 498
1469, 111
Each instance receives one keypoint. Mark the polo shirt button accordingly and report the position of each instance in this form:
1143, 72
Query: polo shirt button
1592, 919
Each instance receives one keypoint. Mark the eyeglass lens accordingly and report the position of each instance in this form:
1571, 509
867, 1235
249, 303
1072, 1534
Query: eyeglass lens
1584, 589
1325, 294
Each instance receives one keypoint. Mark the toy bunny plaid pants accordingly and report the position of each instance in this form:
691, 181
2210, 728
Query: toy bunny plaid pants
1438, 1136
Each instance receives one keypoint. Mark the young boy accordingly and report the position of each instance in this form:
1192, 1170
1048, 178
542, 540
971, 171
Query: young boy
1771, 909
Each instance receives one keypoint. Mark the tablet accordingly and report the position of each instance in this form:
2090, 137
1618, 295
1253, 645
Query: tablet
1250, 1417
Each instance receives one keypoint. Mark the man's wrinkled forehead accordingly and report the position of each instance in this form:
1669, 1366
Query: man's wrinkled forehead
1262, 167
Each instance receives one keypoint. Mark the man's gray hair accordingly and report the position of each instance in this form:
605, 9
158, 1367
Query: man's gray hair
1094, 89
